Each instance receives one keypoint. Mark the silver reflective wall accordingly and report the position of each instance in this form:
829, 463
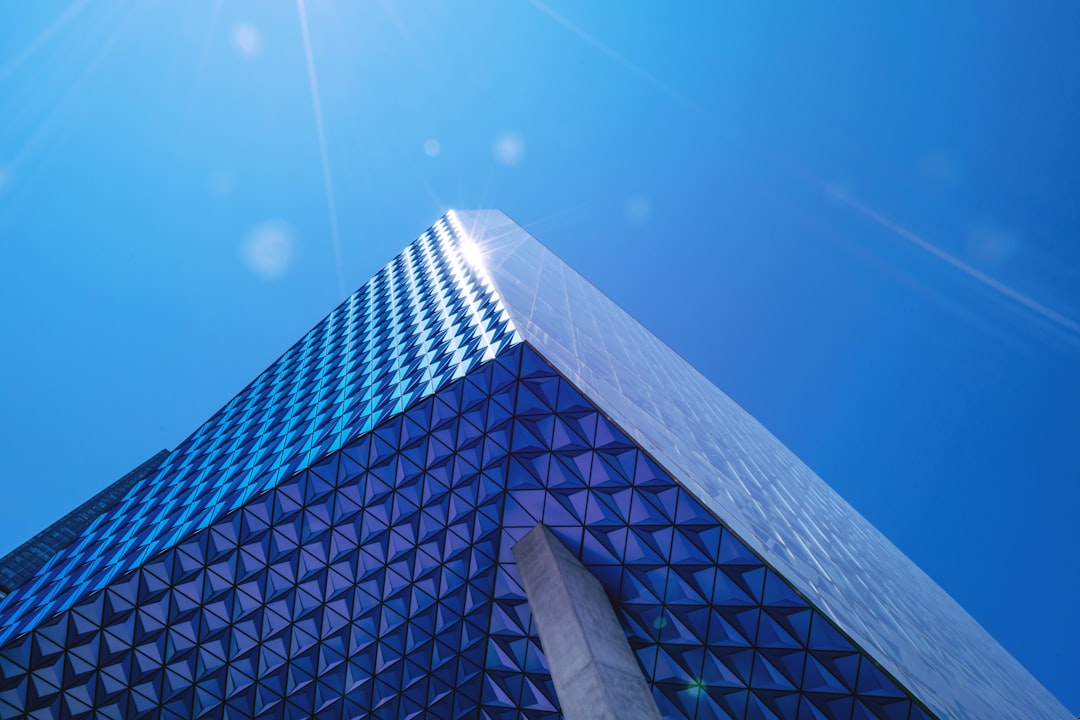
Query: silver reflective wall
754, 484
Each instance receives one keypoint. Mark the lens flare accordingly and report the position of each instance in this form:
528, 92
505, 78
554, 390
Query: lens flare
509, 148
268, 249
247, 40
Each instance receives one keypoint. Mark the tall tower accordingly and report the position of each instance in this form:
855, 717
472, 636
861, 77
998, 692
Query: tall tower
480, 489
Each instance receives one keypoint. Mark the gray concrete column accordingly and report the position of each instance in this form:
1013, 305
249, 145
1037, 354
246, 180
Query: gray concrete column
596, 675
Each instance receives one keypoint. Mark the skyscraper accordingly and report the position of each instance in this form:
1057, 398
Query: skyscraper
403, 515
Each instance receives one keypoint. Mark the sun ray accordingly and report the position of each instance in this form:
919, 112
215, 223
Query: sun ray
50, 130
626, 63
43, 37
331, 205
204, 54
922, 243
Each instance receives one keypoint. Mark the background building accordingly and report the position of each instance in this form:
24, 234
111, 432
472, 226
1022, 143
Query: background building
338, 539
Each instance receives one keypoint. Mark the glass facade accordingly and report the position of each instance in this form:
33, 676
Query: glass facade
23, 562
424, 319
336, 541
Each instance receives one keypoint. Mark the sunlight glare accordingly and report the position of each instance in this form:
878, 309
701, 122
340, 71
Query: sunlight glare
472, 254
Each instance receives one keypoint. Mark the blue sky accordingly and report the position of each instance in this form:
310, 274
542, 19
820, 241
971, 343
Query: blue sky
858, 220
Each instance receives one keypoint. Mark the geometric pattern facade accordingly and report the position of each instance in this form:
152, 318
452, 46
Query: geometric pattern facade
23, 562
379, 582
336, 540
424, 319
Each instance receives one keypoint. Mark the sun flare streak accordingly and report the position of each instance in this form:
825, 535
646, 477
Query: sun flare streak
331, 205
1016, 296
51, 130
43, 37
612, 54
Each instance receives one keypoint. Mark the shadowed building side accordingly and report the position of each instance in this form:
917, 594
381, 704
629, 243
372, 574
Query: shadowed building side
23, 562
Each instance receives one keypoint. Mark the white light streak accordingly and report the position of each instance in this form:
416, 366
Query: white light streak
1016, 296
632, 67
43, 37
331, 205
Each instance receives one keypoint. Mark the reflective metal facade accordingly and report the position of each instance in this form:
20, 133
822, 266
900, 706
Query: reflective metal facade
335, 542
755, 485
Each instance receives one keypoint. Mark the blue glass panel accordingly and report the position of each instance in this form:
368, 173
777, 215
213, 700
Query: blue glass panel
387, 345
379, 575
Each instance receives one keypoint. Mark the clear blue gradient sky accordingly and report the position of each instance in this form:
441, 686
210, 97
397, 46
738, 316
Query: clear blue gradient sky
858, 219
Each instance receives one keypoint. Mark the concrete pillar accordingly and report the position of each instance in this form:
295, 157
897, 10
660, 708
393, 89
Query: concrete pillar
596, 675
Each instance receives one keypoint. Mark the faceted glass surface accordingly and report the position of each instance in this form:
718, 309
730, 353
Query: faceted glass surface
424, 319
335, 541
380, 582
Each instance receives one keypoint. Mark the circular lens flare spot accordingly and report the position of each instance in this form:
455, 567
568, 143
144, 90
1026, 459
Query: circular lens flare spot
247, 40
268, 249
509, 148
638, 209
